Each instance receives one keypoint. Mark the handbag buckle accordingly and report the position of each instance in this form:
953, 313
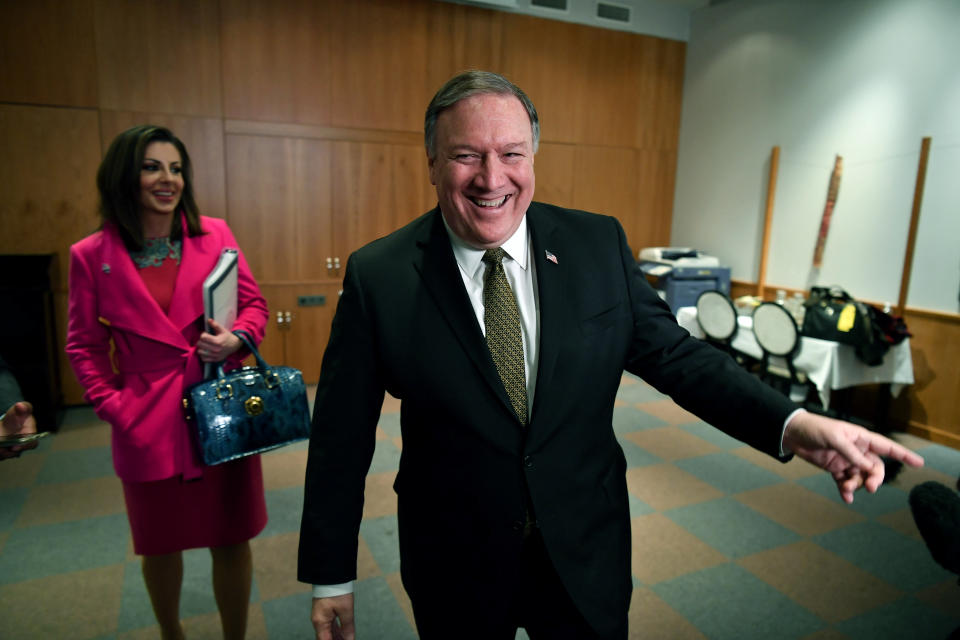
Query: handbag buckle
223, 384
253, 406
271, 379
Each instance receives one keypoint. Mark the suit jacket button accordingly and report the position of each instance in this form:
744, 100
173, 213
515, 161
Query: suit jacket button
528, 462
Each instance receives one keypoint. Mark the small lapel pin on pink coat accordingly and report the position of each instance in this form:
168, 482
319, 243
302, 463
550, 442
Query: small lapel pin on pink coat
105, 267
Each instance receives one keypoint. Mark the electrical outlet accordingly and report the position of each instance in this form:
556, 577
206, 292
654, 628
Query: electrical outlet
311, 301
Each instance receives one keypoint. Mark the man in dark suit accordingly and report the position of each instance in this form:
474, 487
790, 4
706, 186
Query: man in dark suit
512, 500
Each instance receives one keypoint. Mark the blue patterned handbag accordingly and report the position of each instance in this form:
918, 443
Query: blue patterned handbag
248, 410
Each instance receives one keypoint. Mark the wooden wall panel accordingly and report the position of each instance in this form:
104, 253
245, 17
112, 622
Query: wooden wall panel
362, 204
47, 53
608, 91
934, 398
69, 387
157, 56
377, 188
278, 60
203, 138
461, 38
555, 167
544, 58
411, 187
649, 226
382, 86
303, 343
279, 205
605, 181
659, 85
47, 178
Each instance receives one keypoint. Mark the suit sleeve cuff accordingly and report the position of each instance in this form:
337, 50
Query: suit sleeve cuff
331, 590
785, 452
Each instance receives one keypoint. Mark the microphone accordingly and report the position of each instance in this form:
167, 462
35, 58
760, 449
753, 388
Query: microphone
936, 511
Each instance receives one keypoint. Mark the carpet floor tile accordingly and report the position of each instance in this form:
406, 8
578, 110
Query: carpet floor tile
651, 617
795, 469
380, 534
671, 443
664, 550
61, 502
727, 473
717, 438
378, 613
798, 509
888, 497
664, 486
628, 419
668, 411
633, 390
731, 527
728, 603
821, 581
51, 549
900, 560
70, 466
272, 558
77, 604
283, 510
904, 618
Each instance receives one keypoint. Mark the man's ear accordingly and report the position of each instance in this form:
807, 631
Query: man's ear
431, 162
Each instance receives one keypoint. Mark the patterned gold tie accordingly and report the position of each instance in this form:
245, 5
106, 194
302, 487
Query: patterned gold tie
504, 337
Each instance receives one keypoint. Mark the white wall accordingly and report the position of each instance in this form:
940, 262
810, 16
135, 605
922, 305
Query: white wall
865, 79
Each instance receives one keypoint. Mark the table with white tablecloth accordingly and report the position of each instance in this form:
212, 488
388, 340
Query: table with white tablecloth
829, 365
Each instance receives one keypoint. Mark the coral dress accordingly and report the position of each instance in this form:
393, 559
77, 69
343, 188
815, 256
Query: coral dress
226, 504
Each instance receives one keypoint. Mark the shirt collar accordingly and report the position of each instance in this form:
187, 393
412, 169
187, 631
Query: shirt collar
470, 258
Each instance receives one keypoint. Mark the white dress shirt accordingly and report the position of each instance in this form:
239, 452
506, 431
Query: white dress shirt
521, 274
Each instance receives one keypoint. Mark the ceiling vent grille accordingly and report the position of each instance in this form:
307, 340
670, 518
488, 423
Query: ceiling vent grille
613, 12
560, 5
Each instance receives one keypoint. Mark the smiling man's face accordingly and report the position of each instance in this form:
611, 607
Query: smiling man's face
483, 167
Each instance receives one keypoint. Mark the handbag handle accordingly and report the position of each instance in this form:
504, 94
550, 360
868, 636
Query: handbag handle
247, 340
821, 294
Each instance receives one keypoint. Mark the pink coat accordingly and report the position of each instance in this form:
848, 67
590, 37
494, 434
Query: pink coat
139, 389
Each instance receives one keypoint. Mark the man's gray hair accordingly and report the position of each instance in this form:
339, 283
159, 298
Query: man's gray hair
465, 85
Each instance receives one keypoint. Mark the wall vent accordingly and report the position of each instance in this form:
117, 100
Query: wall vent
613, 12
560, 5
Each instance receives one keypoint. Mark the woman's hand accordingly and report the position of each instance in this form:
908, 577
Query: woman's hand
218, 344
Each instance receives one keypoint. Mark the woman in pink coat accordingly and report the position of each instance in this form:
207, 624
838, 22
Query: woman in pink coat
137, 339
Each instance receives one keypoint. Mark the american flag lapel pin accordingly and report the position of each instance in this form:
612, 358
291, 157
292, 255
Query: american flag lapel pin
552, 258
105, 267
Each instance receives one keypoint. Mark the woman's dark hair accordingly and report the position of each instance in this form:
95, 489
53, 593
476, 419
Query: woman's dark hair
118, 181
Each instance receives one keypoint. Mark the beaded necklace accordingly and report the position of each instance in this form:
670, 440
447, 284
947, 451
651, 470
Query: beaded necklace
155, 251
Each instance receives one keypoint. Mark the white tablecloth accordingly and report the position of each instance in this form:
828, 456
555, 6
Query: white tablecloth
829, 365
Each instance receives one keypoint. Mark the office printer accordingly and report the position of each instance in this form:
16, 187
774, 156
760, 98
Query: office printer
681, 274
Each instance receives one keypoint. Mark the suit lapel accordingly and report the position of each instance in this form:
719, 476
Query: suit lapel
200, 254
550, 279
441, 275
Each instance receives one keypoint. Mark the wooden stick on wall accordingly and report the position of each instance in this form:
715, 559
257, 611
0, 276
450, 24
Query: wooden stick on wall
914, 223
768, 220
